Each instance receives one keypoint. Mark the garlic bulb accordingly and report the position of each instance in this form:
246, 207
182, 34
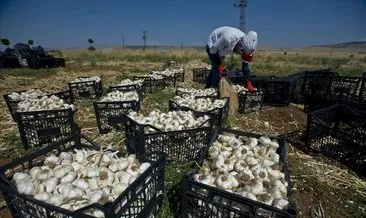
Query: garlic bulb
86, 79
246, 166
198, 92
167, 72
120, 96
29, 94
44, 103
128, 82
81, 177
199, 104
171, 121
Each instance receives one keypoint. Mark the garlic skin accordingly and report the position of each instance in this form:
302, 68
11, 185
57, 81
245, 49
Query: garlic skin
25, 187
281, 203
70, 177
119, 188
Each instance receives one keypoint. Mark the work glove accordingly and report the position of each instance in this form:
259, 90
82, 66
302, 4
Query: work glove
250, 87
246, 57
221, 70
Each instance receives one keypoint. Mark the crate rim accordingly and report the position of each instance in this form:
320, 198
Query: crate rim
188, 177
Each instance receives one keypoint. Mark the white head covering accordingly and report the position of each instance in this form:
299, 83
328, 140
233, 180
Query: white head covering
249, 42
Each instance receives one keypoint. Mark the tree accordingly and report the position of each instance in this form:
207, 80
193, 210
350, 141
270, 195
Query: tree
5, 42
91, 48
30, 42
144, 37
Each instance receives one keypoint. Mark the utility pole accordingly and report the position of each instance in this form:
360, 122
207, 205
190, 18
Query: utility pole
123, 41
144, 37
242, 4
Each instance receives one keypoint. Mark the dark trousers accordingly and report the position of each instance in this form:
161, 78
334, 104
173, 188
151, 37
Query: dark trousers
213, 79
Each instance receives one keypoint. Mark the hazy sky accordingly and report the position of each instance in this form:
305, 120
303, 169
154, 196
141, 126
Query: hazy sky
69, 23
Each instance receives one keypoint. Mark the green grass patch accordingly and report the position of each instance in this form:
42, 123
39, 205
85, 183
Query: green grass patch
158, 100
173, 182
26, 72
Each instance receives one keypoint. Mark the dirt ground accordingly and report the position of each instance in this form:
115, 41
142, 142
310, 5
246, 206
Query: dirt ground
321, 187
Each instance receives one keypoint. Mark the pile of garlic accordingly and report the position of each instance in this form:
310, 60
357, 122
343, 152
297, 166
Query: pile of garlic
44, 103
199, 104
246, 166
120, 96
87, 79
153, 76
168, 72
171, 121
198, 92
239, 88
29, 94
128, 82
73, 180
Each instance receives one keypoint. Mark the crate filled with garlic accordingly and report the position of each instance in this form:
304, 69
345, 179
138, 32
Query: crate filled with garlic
172, 76
239, 175
202, 93
217, 109
77, 178
12, 99
180, 134
249, 101
109, 109
44, 120
152, 82
129, 85
86, 87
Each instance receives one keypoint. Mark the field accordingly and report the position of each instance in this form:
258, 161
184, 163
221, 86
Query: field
322, 188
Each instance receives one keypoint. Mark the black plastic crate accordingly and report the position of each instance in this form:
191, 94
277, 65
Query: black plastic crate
250, 101
86, 89
344, 88
200, 75
150, 84
110, 115
278, 91
13, 105
236, 77
259, 81
179, 146
339, 132
213, 95
218, 115
142, 198
314, 103
317, 84
362, 92
296, 95
200, 200
41, 128
180, 76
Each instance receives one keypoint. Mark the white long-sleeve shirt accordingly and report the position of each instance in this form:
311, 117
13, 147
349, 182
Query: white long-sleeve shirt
223, 40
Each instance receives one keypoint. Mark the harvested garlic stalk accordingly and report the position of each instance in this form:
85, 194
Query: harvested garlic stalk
245, 166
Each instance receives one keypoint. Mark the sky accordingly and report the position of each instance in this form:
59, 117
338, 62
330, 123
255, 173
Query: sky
283, 23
